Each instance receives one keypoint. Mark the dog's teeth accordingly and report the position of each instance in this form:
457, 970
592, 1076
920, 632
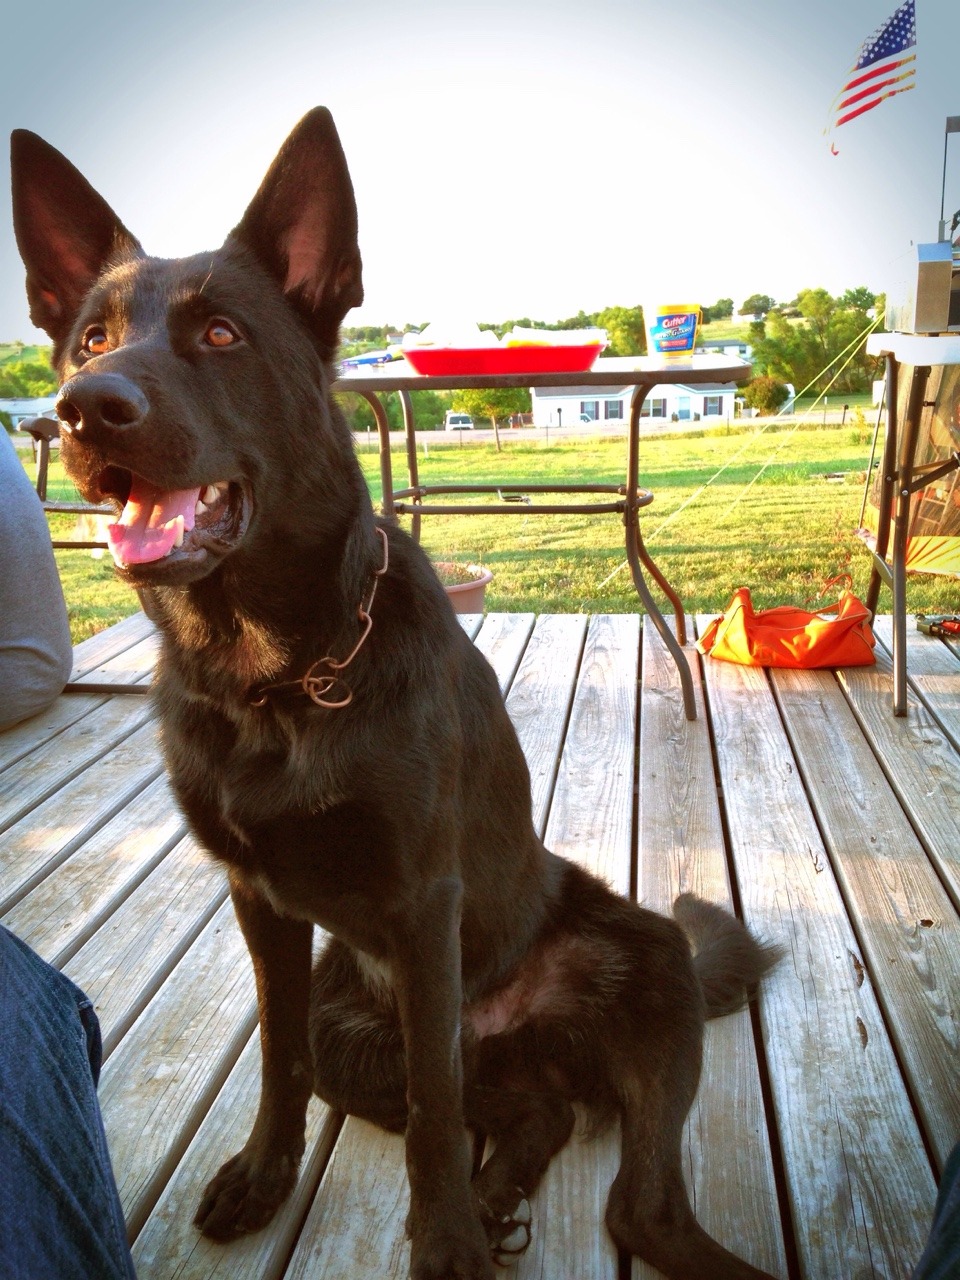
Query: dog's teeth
213, 493
199, 509
179, 526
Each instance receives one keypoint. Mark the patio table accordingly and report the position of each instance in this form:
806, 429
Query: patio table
639, 373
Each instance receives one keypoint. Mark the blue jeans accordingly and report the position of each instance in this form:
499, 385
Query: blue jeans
941, 1257
60, 1215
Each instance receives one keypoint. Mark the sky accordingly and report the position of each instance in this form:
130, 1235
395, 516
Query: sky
513, 158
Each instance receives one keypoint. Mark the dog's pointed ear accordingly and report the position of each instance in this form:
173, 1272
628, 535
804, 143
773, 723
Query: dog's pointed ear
65, 231
302, 225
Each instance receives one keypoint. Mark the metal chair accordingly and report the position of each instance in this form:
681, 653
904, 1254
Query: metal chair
46, 434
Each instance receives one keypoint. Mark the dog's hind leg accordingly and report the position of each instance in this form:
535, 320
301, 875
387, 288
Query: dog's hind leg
356, 1042
649, 1213
360, 1069
527, 1130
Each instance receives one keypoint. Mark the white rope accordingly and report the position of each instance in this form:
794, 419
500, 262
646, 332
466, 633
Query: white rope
804, 416
851, 347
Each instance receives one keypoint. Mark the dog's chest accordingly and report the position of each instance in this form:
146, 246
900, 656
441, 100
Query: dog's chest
246, 770
280, 809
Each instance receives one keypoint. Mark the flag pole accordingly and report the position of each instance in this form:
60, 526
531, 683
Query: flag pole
952, 126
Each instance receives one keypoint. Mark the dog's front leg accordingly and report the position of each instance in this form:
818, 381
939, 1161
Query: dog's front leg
447, 1240
250, 1187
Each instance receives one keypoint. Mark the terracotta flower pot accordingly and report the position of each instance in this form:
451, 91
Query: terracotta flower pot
465, 596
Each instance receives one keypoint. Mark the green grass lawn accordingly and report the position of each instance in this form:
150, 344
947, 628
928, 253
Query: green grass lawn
731, 509
15, 351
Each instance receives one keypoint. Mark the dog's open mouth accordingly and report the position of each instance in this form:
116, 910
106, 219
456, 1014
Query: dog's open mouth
172, 526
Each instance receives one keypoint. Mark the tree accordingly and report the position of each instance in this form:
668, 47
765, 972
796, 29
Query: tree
27, 379
765, 393
824, 346
625, 330
758, 304
816, 306
722, 309
428, 410
861, 299
493, 403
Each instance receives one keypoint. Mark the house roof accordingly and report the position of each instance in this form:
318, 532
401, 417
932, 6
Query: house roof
606, 393
28, 404
578, 393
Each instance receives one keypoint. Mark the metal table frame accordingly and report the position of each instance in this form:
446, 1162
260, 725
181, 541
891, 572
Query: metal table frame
643, 374
902, 478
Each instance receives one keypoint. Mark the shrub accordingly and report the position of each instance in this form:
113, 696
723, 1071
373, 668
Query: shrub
765, 393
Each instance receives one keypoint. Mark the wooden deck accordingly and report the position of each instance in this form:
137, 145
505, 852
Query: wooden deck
824, 1115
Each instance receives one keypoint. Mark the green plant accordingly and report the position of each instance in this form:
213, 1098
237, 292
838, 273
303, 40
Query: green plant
452, 574
765, 394
860, 431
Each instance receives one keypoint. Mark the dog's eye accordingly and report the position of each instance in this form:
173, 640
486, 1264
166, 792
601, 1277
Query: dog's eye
219, 334
95, 341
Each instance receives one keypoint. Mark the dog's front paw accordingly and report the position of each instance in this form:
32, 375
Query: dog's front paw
244, 1195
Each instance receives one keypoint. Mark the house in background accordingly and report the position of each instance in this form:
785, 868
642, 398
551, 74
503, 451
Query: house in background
725, 347
41, 407
610, 406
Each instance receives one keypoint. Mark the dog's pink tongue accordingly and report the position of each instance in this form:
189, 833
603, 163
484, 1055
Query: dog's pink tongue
151, 523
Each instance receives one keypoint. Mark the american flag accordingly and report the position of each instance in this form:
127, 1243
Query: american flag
880, 72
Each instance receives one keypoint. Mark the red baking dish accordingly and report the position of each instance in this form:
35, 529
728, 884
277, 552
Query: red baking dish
451, 362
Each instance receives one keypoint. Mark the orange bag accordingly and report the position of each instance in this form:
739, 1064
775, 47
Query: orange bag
789, 637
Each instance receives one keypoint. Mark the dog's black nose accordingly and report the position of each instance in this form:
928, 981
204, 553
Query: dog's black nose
97, 403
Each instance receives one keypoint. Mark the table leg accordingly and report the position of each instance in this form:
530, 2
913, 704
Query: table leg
638, 557
901, 529
888, 480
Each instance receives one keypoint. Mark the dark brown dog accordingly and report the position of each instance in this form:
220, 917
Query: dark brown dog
472, 978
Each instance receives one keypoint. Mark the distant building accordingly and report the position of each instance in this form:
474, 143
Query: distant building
726, 347
39, 407
670, 402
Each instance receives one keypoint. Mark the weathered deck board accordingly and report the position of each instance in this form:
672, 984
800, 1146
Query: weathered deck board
837, 820
591, 816
857, 1173
539, 702
133, 665
56, 825
932, 674
65, 909
908, 932
502, 640
170, 1246
919, 761
128, 961
166, 1072
46, 770
591, 819
19, 742
729, 1165
100, 651
108, 646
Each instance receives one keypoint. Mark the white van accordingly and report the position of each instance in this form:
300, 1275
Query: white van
457, 421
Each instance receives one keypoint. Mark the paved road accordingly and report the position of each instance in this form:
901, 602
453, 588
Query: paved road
648, 427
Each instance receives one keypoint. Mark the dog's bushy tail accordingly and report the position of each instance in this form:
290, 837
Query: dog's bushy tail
728, 960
